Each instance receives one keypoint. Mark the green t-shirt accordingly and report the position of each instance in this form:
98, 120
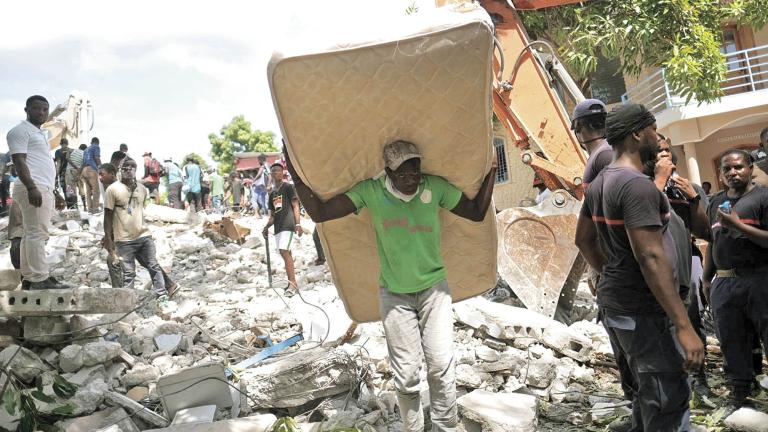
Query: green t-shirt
407, 233
217, 184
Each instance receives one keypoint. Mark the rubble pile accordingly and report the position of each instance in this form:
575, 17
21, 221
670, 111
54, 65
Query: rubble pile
229, 352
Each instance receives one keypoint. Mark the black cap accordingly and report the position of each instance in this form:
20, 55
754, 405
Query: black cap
587, 107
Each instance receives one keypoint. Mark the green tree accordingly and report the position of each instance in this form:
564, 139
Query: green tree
200, 160
238, 136
682, 36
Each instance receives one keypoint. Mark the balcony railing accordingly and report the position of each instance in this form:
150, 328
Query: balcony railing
747, 72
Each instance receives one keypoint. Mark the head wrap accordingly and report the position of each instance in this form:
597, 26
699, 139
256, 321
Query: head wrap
625, 120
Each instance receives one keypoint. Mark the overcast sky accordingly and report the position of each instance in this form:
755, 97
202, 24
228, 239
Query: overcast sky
162, 75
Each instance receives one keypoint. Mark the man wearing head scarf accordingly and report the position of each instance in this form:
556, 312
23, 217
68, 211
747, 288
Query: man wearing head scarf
414, 298
621, 234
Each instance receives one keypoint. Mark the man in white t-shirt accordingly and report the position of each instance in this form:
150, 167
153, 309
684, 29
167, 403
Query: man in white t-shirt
33, 191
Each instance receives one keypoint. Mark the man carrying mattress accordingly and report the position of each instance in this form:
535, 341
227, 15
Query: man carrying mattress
415, 300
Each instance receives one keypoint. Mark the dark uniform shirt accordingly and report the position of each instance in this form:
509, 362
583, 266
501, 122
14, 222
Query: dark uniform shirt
281, 204
60, 156
731, 249
601, 158
621, 198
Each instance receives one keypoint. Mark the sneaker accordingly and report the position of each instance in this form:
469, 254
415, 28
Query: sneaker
162, 300
172, 290
25, 284
623, 424
700, 386
319, 261
49, 284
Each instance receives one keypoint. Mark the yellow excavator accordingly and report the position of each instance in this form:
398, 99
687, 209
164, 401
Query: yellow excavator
536, 252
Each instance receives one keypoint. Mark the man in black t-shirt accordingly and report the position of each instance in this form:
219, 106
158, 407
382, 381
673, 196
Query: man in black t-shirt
284, 215
589, 126
620, 233
738, 258
117, 157
60, 159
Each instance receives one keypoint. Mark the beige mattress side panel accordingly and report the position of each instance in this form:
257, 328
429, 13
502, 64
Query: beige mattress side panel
338, 109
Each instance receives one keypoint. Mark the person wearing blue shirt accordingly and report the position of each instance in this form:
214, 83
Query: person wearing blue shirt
92, 161
193, 175
175, 182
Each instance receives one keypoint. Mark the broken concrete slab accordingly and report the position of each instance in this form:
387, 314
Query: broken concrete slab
25, 366
747, 420
297, 379
141, 374
200, 414
168, 343
86, 400
499, 412
43, 303
501, 321
134, 408
259, 423
567, 342
45, 330
156, 213
9, 279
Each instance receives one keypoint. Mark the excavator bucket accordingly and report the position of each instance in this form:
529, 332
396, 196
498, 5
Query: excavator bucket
537, 256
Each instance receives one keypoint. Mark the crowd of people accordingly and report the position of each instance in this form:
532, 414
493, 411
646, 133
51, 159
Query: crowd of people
639, 230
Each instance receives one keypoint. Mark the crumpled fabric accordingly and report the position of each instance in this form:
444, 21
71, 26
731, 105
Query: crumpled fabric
625, 120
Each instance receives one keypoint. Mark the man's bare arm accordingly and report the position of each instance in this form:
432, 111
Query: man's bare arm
296, 213
754, 234
109, 233
586, 241
648, 249
475, 209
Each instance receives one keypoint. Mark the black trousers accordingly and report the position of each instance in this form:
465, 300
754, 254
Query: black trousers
651, 369
318, 245
740, 309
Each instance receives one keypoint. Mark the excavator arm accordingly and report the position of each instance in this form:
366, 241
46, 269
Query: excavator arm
537, 256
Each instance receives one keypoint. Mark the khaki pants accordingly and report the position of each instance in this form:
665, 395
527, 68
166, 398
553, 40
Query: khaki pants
91, 178
419, 327
35, 221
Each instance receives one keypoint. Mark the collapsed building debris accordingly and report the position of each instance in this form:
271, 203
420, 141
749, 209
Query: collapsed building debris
232, 353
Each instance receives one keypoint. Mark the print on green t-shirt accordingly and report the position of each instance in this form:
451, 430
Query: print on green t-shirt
407, 233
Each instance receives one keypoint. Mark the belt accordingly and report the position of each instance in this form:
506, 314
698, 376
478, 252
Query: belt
728, 273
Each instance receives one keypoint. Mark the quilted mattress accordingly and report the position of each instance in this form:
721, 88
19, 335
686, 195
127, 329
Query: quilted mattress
430, 83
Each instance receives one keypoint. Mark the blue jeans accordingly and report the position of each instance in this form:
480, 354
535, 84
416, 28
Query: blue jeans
259, 198
218, 204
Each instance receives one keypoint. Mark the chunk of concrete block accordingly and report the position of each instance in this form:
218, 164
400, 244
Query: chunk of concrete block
45, 330
259, 423
168, 343
156, 213
71, 358
95, 353
195, 386
9, 279
114, 416
200, 414
567, 342
499, 412
747, 420
134, 408
298, 379
25, 366
43, 303
501, 321
141, 374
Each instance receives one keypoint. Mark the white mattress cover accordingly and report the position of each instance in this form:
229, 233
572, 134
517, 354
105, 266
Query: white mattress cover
338, 107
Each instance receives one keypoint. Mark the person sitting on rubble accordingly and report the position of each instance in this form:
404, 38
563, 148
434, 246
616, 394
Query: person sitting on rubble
414, 299
126, 234
621, 233
284, 215
34, 192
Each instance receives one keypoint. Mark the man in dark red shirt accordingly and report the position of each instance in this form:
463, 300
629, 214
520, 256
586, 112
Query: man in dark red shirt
738, 258
621, 234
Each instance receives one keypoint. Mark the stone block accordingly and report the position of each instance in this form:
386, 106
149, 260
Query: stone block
258, 423
141, 374
71, 358
196, 386
499, 412
95, 353
43, 303
45, 330
747, 420
25, 366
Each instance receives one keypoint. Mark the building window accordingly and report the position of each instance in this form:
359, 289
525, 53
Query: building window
502, 173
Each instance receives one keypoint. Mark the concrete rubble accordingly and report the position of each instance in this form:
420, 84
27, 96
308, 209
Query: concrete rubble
139, 366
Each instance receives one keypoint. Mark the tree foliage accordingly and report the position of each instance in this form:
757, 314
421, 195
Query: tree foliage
682, 36
200, 160
238, 136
